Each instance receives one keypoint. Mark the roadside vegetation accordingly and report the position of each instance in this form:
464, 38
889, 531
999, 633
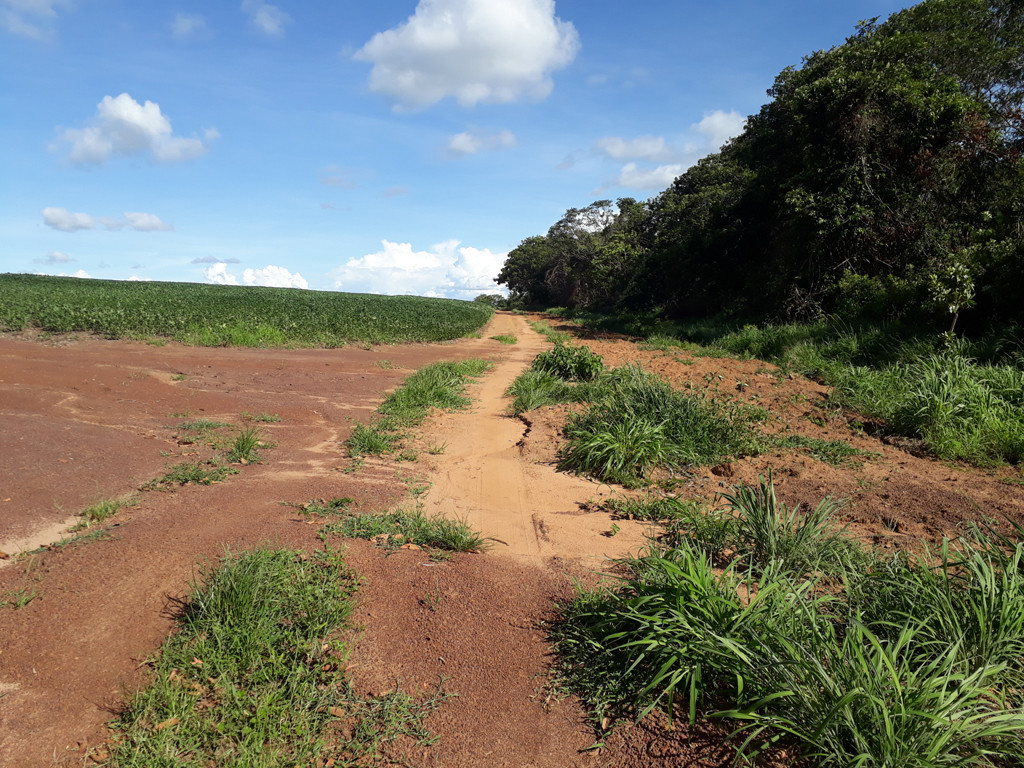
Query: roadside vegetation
254, 675
405, 527
635, 423
774, 620
962, 399
212, 315
439, 385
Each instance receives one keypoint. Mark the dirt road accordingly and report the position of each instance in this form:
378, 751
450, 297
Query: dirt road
87, 419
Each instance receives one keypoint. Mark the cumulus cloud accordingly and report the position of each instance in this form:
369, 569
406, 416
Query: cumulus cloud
471, 50
647, 178
266, 18
30, 18
54, 257
187, 26
139, 279
122, 126
471, 142
652, 148
718, 127
655, 162
65, 221
146, 222
219, 274
446, 269
214, 260
278, 277
273, 276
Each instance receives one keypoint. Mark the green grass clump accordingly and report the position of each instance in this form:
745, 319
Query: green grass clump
533, 389
439, 385
100, 511
202, 425
263, 418
638, 423
245, 447
958, 408
911, 661
569, 363
209, 314
838, 453
549, 333
250, 677
505, 338
191, 473
402, 526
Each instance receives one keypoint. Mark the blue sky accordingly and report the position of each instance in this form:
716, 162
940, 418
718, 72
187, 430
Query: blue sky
392, 146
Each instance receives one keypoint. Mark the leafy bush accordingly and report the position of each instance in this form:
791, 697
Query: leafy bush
569, 363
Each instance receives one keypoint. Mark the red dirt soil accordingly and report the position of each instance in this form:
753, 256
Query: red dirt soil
88, 419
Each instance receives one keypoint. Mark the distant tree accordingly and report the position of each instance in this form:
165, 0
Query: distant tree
495, 300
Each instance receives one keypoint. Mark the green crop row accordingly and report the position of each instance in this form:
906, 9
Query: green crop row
222, 315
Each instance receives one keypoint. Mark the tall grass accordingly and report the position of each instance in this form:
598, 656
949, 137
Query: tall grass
963, 399
914, 661
638, 423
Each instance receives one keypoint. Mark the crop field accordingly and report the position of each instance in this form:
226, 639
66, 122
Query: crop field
222, 315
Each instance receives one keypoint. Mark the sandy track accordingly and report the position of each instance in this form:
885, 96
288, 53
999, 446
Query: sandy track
531, 511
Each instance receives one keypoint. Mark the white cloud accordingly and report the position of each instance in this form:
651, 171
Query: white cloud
122, 126
648, 178
187, 26
445, 270
30, 18
471, 50
146, 222
469, 143
719, 126
277, 277
80, 273
219, 274
652, 148
65, 221
708, 135
266, 18
138, 279
54, 257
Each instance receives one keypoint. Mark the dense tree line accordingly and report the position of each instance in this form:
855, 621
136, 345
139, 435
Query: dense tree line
883, 178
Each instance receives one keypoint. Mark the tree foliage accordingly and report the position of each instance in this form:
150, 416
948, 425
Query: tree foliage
891, 163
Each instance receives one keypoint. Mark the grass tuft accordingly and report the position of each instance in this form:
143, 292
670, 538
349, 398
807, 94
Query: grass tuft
250, 677
400, 527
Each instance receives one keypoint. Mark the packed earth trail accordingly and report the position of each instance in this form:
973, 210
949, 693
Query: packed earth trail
531, 511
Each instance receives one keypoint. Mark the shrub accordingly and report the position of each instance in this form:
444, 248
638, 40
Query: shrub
569, 363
